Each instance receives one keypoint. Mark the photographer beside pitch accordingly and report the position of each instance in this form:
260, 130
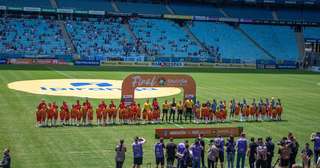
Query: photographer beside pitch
6, 160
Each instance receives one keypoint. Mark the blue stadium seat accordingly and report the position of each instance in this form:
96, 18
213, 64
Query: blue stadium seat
145, 8
165, 38
31, 37
290, 14
248, 12
103, 5
231, 43
280, 41
312, 32
98, 40
195, 9
26, 3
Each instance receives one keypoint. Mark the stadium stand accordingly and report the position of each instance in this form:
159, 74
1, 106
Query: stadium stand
231, 43
278, 40
31, 37
102, 5
145, 8
248, 12
99, 39
165, 38
26, 3
312, 32
290, 14
195, 9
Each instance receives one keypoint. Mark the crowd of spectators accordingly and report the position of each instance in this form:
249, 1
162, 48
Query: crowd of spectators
31, 36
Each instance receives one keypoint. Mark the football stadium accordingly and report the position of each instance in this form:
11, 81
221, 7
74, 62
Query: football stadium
173, 83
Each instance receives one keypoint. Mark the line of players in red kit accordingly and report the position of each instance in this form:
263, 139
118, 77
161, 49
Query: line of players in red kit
209, 112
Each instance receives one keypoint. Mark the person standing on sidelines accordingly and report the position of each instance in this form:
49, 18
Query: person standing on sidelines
213, 154
159, 153
196, 149
241, 150
165, 109
171, 148
202, 143
180, 149
220, 142
252, 152
138, 151
180, 111
230, 151
6, 160
261, 154
306, 155
315, 138
120, 154
270, 151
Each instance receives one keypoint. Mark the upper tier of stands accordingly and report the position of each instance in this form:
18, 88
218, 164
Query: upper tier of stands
248, 12
26, 3
146, 8
31, 37
85, 4
165, 38
98, 39
232, 44
280, 41
195, 9
299, 15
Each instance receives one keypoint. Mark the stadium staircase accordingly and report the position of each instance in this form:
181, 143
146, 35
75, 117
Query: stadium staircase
223, 12
274, 15
129, 29
169, 9
196, 40
256, 44
300, 42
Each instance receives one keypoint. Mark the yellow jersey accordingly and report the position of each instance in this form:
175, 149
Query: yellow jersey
165, 106
179, 106
188, 103
146, 106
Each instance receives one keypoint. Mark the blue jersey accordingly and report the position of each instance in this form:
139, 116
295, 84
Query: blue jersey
230, 146
181, 147
220, 142
242, 145
317, 143
158, 150
214, 107
137, 150
196, 151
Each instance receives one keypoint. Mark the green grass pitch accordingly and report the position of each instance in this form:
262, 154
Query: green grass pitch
33, 147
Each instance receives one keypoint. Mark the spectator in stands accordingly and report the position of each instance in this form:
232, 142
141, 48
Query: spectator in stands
241, 145
159, 153
138, 151
120, 154
270, 151
171, 148
230, 151
6, 160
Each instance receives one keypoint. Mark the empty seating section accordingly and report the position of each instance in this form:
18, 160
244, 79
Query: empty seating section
145, 8
312, 32
32, 37
290, 14
195, 9
165, 38
280, 41
231, 42
249, 13
311, 15
98, 39
103, 5
26, 3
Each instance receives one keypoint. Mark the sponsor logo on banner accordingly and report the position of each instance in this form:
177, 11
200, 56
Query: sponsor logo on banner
3, 61
91, 88
87, 62
153, 81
